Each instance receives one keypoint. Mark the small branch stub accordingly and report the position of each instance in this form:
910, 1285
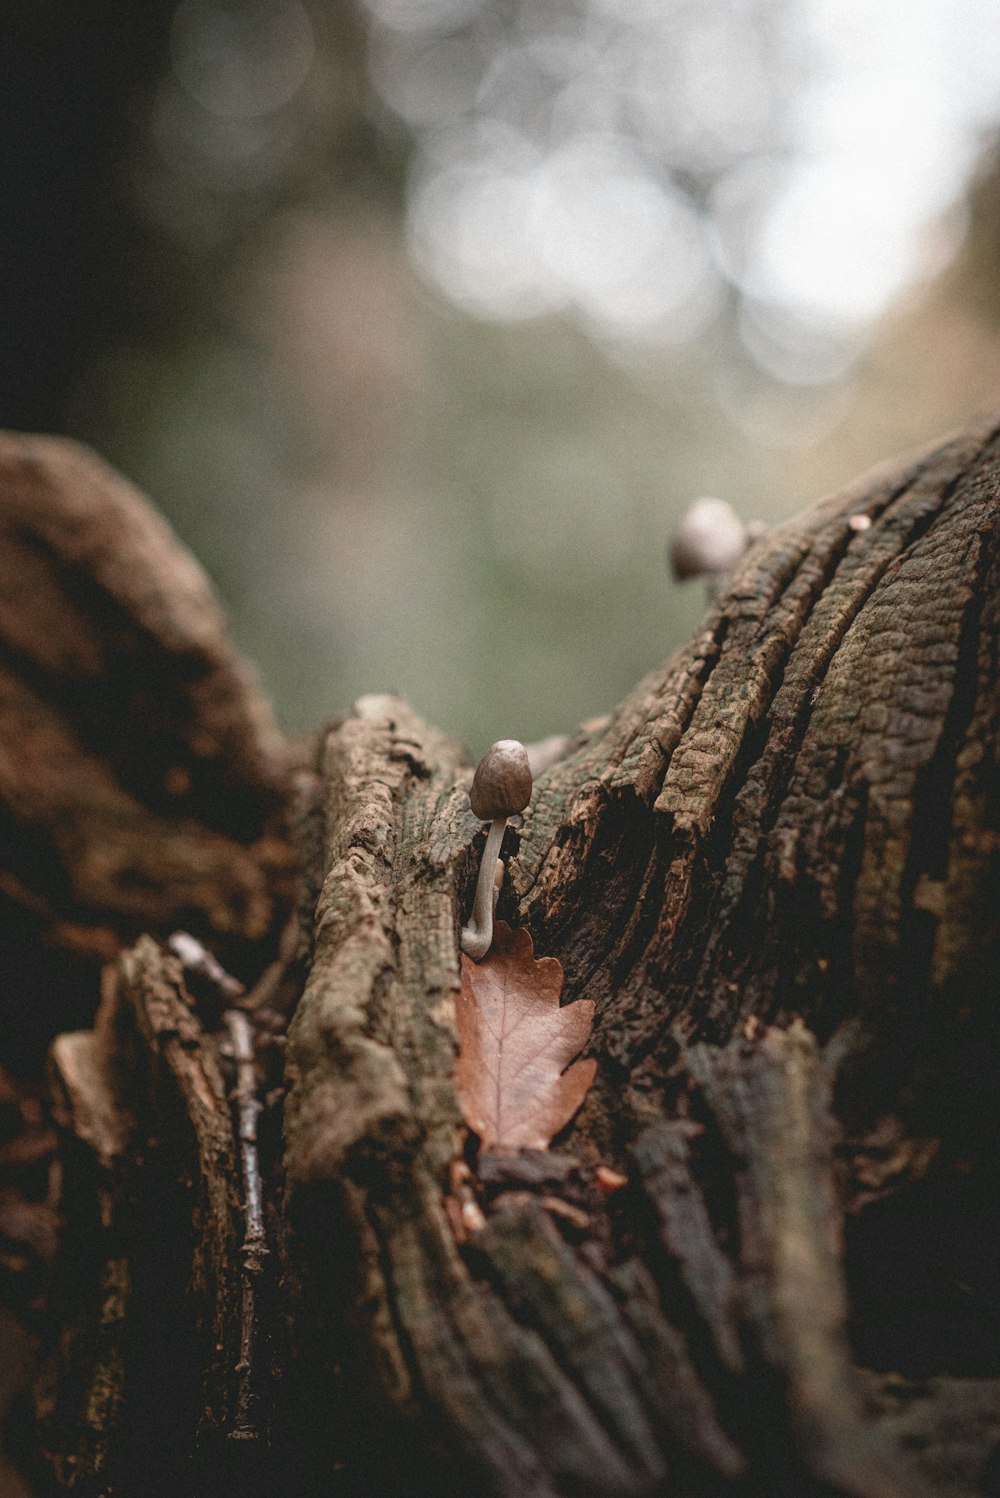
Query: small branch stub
500, 789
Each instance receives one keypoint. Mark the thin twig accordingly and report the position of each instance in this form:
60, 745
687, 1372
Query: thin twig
199, 962
254, 1246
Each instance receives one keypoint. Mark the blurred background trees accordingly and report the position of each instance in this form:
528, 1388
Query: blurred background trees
424, 320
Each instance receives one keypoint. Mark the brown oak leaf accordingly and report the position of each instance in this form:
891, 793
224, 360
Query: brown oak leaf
515, 1041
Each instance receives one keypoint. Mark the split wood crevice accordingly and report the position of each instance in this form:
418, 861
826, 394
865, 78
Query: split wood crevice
760, 1261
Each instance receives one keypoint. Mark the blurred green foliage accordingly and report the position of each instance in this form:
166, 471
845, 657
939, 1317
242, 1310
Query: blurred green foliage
393, 494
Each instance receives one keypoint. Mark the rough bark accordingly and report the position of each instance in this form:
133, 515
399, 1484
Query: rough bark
761, 1260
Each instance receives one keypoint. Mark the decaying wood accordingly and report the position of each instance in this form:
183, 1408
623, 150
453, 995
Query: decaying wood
146, 1091
761, 1258
141, 775
747, 853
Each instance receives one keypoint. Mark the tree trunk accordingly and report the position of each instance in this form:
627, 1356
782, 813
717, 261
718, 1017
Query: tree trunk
761, 1258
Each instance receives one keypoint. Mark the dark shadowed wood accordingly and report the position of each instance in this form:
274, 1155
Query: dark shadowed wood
141, 775
140, 759
761, 1259
146, 1092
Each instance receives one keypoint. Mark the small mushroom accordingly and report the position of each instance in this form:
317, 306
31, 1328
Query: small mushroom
501, 787
710, 540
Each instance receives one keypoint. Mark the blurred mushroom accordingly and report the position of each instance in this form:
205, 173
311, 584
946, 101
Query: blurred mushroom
545, 752
500, 788
710, 540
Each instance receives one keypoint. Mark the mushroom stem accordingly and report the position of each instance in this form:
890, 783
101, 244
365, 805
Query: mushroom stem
477, 936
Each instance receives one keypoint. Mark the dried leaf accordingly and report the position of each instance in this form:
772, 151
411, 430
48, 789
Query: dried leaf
514, 1041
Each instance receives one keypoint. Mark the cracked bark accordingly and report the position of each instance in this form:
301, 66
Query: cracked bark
775, 870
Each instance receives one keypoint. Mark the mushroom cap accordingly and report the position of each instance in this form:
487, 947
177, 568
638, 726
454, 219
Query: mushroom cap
710, 539
501, 785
